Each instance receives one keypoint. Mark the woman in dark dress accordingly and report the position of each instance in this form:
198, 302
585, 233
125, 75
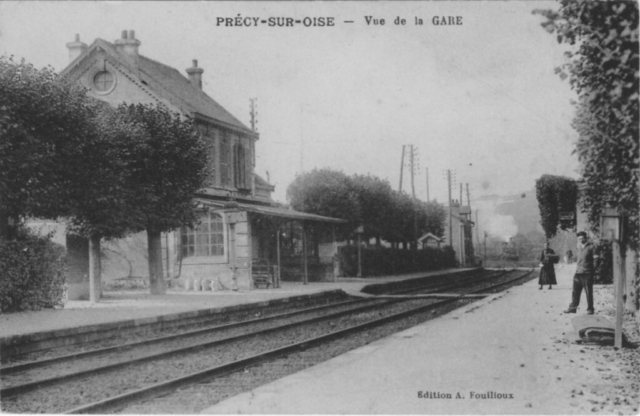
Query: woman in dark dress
547, 274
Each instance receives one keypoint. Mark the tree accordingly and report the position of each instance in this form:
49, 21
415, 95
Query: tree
434, 218
62, 154
167, 167
603, 69
555, 194
329, 193
375, 202
46, 139
368, 201
103, 202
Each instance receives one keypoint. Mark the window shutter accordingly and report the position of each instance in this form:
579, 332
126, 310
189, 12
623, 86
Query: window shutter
248, 175
224, 161
212, 160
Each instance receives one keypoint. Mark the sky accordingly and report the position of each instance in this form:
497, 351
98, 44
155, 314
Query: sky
480, 98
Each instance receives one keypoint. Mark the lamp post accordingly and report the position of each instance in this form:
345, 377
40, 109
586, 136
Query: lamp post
359, 231
612, 228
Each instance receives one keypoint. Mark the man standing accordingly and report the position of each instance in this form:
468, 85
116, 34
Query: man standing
584, 275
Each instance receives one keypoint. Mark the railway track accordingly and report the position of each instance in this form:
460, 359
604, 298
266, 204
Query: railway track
108, 379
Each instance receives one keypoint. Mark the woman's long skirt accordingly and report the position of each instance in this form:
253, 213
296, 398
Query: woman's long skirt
547, 276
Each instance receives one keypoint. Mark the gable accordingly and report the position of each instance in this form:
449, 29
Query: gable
127, 86
147, 81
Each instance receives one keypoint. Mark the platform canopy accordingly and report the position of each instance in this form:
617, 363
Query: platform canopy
274, 211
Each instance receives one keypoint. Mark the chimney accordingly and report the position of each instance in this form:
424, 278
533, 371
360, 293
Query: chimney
195, 75
128, 46
76, 48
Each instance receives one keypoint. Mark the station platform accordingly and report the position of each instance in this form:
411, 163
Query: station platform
506, 354
140, 306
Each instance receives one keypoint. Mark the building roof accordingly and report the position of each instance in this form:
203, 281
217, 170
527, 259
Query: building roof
275, 211
259, 180
189, 98
429, 236
193, 98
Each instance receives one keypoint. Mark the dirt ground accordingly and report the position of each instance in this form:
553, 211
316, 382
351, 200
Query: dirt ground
517, 343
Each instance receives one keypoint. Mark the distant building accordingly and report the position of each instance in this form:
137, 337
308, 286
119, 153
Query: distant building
233, 230
430, 240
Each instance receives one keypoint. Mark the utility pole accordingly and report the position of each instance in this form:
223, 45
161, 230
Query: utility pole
478, 231
427, 170
468, 198
460, 194
253, 114
485, 247
413, 188
401, 169
301, 142
254, 127
415, 207
450, 210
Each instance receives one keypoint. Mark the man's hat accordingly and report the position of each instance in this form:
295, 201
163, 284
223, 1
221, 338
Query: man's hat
582, 233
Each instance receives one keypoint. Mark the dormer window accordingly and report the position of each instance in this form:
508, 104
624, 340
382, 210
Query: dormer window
103, 82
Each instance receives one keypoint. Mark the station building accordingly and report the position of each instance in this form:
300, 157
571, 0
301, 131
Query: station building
240, 223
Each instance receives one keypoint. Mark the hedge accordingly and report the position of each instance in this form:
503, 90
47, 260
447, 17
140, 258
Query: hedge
31, 273
604, 262
382, 261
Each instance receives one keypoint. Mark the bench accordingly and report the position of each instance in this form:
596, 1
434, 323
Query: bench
261, 273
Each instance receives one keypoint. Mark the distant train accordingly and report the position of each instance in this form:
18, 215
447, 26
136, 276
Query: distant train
509, 252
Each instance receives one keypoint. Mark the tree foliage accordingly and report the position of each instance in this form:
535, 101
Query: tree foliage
603, 69
326, 192
166, 167
110, 172
32, 270
106, 205
555, 194
47, 136
368, 201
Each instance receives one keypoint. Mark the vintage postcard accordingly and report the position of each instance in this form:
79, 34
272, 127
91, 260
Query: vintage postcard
455, 108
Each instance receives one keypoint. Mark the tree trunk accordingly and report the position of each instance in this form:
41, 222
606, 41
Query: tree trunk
4, 224
156, 275
95, 269
8, 224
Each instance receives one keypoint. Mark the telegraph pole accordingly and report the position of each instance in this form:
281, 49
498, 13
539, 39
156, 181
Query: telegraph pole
427, 169
415, 207
468, 198
413, 188
478, 230
460, 193
254, 127
401, 169
253, 114
450, 210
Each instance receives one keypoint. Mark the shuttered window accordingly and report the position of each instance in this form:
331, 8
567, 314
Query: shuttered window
239, 170
212, 161
225, 179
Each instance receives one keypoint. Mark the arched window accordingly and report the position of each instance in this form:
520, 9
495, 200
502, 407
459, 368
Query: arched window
206, 239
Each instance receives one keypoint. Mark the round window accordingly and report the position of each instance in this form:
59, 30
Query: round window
103, 81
